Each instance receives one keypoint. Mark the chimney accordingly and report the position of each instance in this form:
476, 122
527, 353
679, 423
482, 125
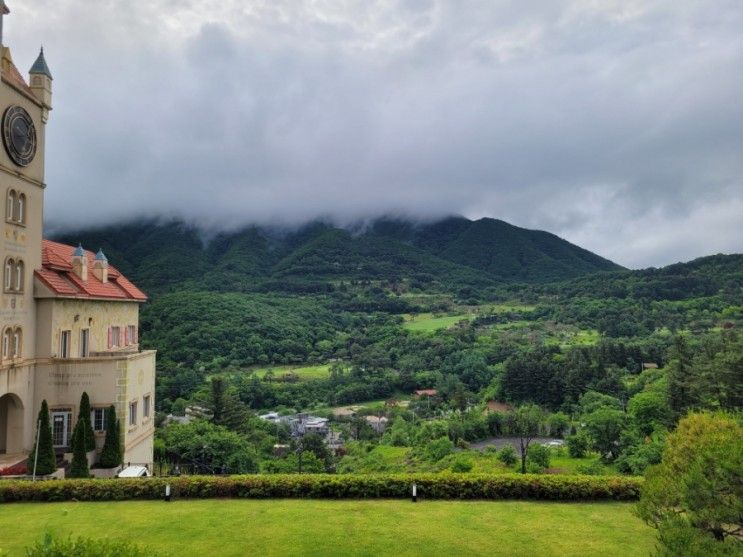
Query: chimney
100, 266
80, 263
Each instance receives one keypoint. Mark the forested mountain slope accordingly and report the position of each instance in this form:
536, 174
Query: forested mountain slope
448, 255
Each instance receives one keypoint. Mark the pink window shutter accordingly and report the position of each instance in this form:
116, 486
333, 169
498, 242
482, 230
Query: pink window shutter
110, 337
126, 336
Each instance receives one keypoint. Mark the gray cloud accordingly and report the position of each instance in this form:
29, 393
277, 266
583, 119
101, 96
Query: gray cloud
613, 123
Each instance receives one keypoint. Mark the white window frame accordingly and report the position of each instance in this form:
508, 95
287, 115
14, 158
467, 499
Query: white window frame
9, 264
115, 337
65, 343
102, 412
133, 413
84, 343
146, 406
21, 208
131, 334
6, 343
10, 205
17, 338
19, 275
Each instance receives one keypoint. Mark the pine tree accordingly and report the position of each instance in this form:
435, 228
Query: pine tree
111, 453
47, 460
79, 468
88, 428
227, 409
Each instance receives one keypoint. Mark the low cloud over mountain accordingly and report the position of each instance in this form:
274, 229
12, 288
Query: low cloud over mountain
614, 124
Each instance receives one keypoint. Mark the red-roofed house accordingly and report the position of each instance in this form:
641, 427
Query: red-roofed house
69, 321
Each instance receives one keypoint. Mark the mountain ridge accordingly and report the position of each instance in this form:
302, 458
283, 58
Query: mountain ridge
454, 253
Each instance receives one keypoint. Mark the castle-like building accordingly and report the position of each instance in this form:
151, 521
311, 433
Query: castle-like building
68, 319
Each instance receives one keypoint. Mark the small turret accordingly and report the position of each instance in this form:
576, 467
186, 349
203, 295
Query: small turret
41, 80
100, 266
80, 263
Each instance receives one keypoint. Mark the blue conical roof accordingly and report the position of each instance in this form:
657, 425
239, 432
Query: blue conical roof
79, 251
100, 256
40, 66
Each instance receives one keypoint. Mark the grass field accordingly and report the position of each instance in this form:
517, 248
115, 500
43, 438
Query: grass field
321, 527
304, 373
428, 323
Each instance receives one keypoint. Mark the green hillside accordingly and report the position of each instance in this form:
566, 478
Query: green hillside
449, 255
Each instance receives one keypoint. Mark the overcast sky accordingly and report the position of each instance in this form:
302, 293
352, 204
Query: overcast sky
616, 124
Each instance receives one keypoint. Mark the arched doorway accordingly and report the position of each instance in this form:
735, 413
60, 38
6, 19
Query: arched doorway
11, 424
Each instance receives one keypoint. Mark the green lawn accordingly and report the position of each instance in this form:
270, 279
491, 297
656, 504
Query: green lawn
428, 323
304, 373
322, 527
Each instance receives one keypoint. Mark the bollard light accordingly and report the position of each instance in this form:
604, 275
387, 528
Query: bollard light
167, 492
415, 493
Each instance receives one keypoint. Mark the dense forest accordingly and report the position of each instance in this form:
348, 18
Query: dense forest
322, 318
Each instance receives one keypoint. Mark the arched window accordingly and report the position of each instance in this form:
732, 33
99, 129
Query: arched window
17, 340
6, 343
9, 267
19, 276
21, 217
10, 205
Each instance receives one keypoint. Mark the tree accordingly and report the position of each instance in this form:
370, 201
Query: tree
209, 448
526, 423
226, 408
84, 414
540, 455
79, 466
696, 492
605, 427
111, 453
649, 409
46, 463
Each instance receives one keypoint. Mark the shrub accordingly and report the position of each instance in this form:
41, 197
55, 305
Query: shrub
439, 448
84, 415
539, 455
79, 466
47, 460
578, 444
590, 469
534, 468
507, 455
319, 486
85, 547
461, 465
111, 452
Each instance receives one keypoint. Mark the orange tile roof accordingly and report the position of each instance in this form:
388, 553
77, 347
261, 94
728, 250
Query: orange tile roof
56, 273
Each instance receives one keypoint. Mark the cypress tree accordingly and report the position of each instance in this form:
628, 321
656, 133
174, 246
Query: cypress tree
88, 427
111, 452
79, 468
47, 460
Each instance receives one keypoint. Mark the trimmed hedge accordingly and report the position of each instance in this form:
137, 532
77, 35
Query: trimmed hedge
329, 486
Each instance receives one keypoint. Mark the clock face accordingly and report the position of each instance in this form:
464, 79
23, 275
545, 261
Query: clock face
19, 135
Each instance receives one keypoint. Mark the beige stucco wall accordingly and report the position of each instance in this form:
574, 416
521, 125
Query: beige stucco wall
115, 380
55, 315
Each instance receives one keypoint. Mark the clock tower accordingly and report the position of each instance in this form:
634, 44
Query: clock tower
69, 321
